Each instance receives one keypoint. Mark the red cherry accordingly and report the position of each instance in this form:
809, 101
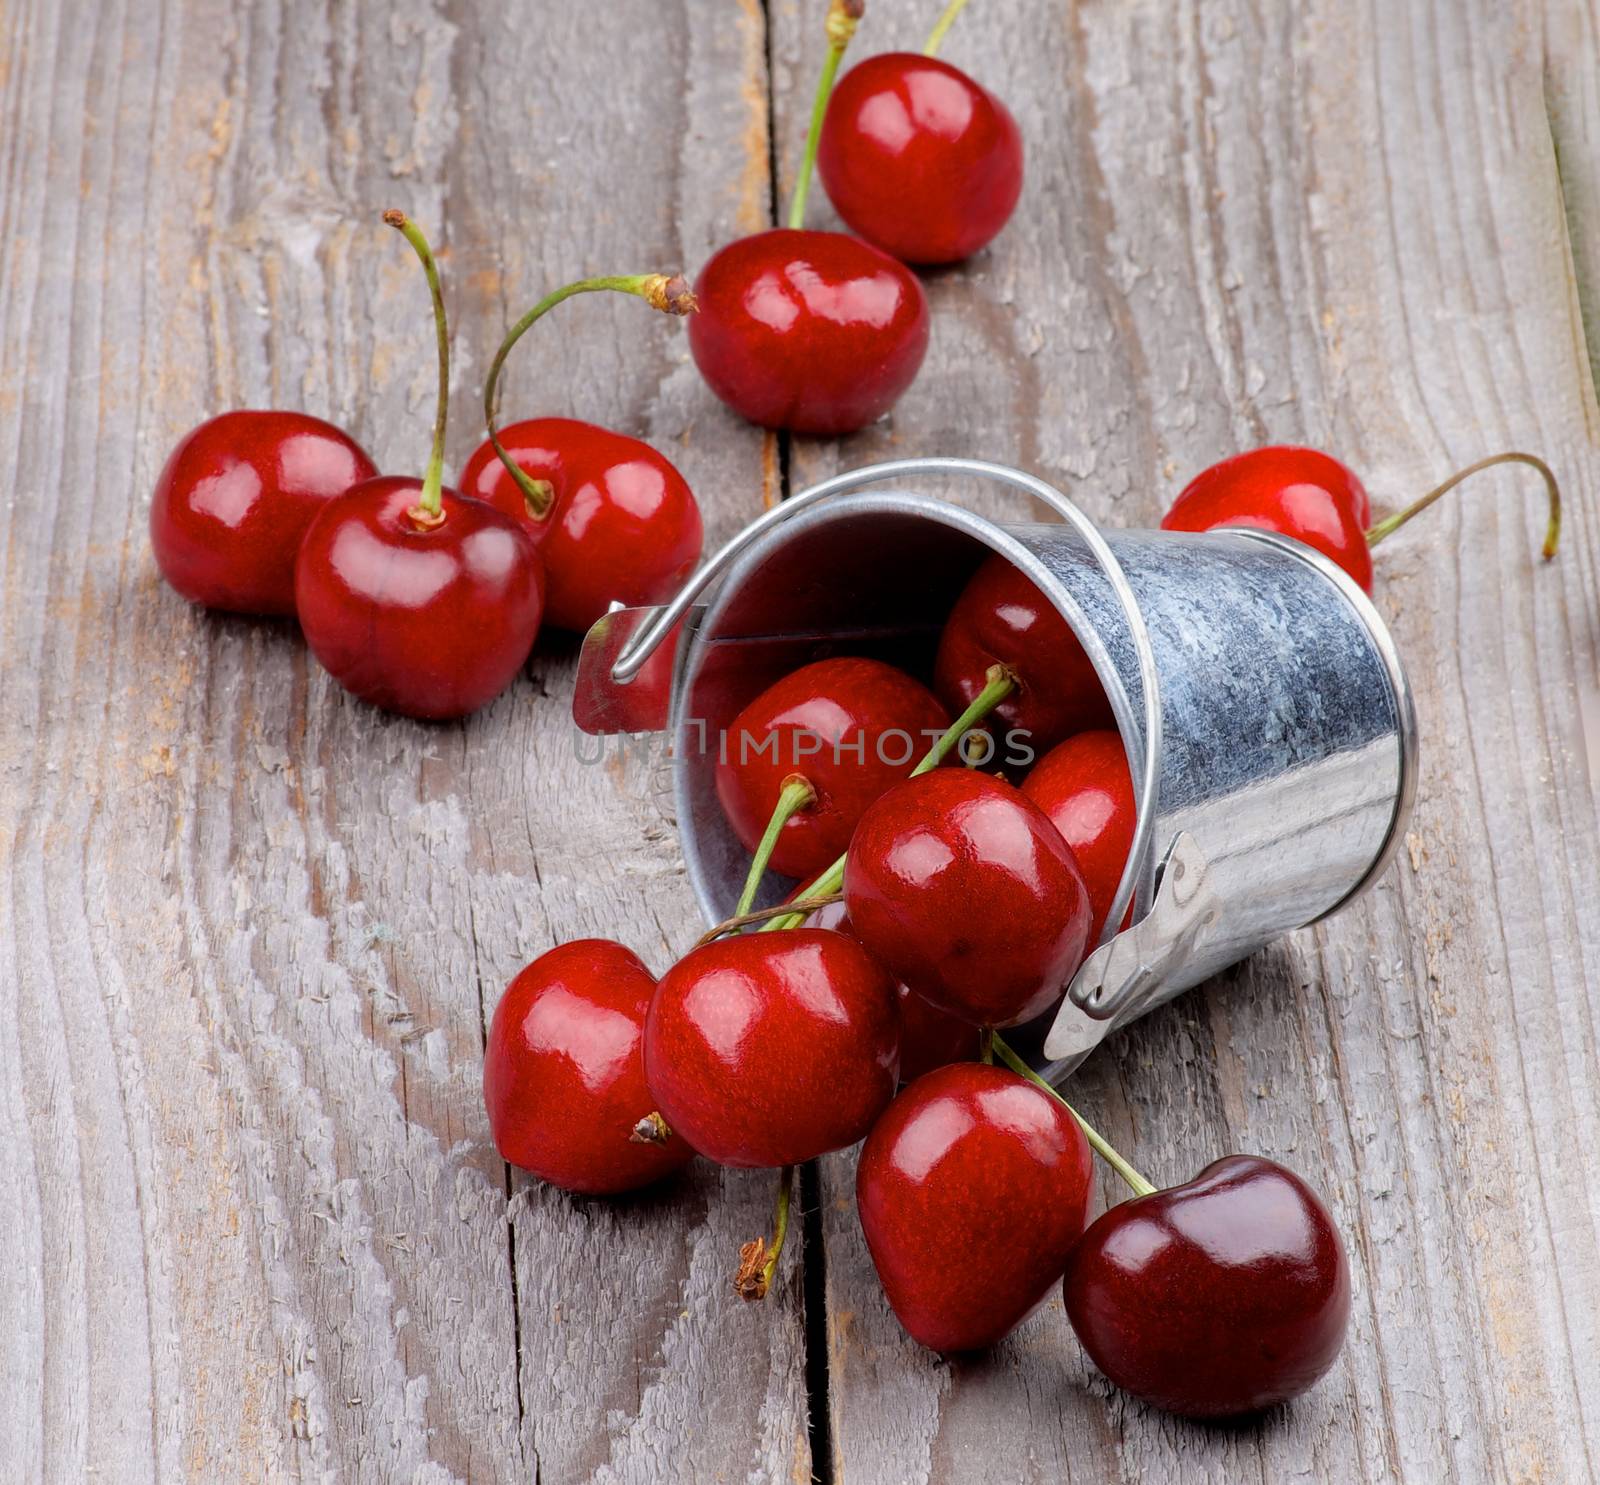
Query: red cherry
972, 1190
235, 498
929, 1037
417, 598
850, 727
959, 885
770, 1049
624, 527
1224, 1295
1001, 617
563, 1074
431, 623
919, 159
816, 332
1295, 492
1083, 785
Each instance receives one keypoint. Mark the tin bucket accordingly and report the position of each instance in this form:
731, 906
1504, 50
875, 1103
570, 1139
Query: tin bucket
1267, 719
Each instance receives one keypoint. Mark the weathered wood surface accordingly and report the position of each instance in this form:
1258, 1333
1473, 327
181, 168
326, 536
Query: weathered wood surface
249, 931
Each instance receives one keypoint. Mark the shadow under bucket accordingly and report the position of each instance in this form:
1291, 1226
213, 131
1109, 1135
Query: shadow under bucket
1284, 737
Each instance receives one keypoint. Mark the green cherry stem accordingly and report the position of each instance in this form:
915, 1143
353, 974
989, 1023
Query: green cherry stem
428, 511
843, 18
796, 795
999, 683
930, 48
1140, 1186
1390, 524
758, 1259
668, 293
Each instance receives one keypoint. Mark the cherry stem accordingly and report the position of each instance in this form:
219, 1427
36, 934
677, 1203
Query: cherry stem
986, 1047
796, 795
1390, 524
428, 510
796, 907
843, 18
1140, 1186
999, 683
758, 1260
668, 293
650, 1130
930, 48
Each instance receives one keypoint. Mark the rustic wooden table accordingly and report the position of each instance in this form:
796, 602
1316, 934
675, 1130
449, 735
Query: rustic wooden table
253, 1225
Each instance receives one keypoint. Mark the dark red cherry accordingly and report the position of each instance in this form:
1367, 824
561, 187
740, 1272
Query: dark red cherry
1295, 492
623, 527
769, 1049
1083, 785
850, 727
816, 332
235, 498
972, 1189
918, 159
1224, 1295
959, 885
929, 1037
432, 622
1001, 617
563, 1074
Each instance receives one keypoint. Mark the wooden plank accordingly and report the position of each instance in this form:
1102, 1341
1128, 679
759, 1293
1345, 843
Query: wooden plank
1337, 225
248, 928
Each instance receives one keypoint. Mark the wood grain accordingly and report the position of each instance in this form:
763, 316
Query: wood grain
1343, 226
250, 931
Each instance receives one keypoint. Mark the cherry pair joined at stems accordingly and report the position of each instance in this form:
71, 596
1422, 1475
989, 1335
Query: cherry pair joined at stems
771, 1051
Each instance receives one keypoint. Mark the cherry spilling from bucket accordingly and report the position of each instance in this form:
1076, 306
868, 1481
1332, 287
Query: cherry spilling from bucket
1001, 618
836, 734
563, 1072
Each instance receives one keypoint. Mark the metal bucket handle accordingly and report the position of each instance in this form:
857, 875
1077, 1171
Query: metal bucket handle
633, 656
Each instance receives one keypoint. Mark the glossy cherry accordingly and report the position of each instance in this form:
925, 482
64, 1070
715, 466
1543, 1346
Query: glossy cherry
563, 1074
1085, 788
815, 332
234, 499
959, 885
428, 622
1315, 499
929, 1037
850, 727
1221, 1296
972, 1190
1295, 492
769, 1049
623, 526
416, 598
1001, 617
614, 521
919, 159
